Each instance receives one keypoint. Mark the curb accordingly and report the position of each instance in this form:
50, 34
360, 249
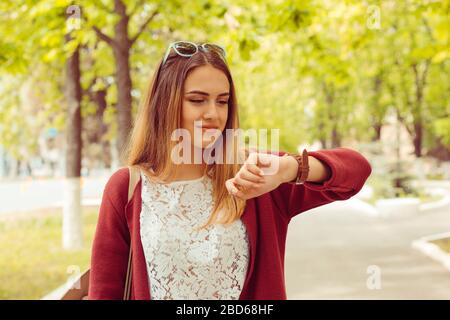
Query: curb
445, 201
433, 251
427, 206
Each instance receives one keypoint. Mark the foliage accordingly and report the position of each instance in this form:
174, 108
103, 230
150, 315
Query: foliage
318, 70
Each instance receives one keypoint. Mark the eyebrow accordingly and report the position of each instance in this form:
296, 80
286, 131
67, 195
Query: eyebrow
207, 94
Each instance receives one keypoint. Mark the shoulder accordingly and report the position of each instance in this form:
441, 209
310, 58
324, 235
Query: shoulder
117, 185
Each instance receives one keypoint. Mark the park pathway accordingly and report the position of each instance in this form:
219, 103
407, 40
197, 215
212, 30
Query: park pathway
329, 250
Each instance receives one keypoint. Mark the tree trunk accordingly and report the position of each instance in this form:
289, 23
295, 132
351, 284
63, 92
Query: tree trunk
335, 138
439, 152
99, 98
121, 51
417, 139
322, 139
420, 82
72, 227
378, 118
377, 127
124, 103
331, 115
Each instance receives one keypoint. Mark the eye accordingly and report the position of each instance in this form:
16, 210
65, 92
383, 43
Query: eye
223, 102
196, 101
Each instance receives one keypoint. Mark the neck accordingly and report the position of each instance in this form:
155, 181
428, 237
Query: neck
189, 171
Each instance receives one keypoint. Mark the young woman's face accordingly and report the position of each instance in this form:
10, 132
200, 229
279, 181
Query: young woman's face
205, 99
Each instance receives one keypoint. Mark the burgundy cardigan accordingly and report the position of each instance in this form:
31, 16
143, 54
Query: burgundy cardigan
266, 218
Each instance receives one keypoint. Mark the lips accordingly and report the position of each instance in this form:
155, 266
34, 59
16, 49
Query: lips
209, 127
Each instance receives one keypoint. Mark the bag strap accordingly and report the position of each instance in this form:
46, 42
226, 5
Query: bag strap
134, 179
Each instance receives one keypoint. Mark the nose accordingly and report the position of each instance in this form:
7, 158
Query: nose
211, 111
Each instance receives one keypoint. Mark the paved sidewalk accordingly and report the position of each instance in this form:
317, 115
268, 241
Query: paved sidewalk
328, 251
26, 195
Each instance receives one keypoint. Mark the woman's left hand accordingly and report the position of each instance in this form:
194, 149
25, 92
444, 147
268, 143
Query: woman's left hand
249, 183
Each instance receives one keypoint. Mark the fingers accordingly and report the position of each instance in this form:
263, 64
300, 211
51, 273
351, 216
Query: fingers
239, 187
230, 186
250, 176
254, 169
264, 160
248, 179
252, 172
259, 159
233, 188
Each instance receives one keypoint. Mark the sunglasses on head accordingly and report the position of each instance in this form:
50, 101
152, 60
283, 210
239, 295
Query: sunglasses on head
188, 49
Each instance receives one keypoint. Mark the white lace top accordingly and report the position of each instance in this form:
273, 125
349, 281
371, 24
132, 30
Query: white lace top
183, 263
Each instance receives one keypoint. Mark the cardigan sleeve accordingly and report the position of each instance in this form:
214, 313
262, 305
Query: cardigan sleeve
110, 248
349, 171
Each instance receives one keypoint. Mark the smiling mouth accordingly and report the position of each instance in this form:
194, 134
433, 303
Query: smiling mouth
204, 128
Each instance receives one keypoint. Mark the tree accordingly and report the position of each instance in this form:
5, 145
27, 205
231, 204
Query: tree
72, 226
121, 44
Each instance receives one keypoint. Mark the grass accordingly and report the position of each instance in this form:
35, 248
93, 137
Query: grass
424, 198
32, 260
444, 244
383, 192
435, 176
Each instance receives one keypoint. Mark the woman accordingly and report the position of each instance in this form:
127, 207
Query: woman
208, 229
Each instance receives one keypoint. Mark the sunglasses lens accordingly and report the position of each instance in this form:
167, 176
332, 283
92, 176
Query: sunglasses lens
215, 48
185, 47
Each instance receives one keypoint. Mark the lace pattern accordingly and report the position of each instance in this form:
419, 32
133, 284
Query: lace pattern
182, 263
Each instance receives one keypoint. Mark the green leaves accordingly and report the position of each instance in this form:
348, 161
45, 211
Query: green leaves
246, 46
312, 68
442, 127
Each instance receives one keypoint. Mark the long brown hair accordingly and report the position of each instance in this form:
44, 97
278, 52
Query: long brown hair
149, 145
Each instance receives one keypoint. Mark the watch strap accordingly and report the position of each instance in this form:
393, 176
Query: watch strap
303, 166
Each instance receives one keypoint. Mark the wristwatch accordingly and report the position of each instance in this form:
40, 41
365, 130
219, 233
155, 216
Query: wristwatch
303, 166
